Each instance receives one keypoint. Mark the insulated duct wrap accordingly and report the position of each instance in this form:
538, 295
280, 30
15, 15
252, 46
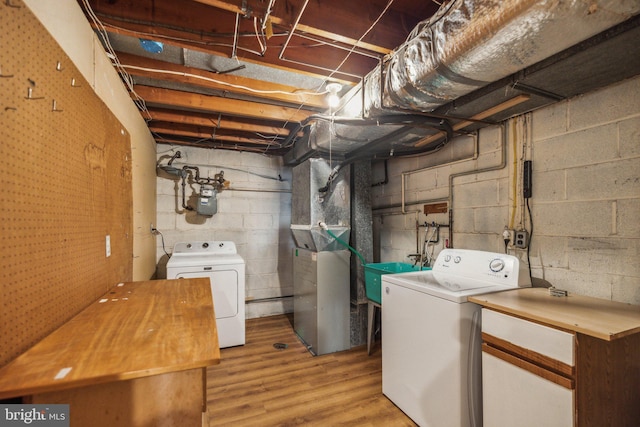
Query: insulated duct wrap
465, 46
471, 43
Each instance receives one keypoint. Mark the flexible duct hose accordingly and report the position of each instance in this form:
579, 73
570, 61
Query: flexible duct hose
342, 242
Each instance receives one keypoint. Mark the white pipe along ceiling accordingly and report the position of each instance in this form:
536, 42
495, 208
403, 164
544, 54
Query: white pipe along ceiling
494, 51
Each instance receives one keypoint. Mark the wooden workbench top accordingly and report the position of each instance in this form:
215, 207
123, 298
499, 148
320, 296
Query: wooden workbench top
599, 318
137, 329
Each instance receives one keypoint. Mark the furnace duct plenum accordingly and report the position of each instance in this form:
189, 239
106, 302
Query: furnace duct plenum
466, 45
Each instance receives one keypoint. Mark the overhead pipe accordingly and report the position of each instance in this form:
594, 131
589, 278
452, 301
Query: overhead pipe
385, 181
500, 166
474, 156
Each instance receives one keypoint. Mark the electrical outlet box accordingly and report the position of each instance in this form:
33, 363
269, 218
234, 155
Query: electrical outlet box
521, 239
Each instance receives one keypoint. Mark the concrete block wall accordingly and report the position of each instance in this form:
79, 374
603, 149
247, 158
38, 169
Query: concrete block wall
586, 193
477, 198
585, 205
254, 212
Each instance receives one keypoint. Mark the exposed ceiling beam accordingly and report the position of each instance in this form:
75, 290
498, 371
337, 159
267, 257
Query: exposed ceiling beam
324, 37
216, 45
300, 27
219, 145
480, 116
216, 104
203, 133
151, 68
200, 119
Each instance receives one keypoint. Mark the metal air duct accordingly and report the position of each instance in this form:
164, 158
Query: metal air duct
467, 45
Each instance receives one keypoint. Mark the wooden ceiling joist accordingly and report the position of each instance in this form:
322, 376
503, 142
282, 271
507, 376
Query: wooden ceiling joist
200, 134
213, 120
161, 70
218, 46
215, 104
480, 116
218, 145
300, 27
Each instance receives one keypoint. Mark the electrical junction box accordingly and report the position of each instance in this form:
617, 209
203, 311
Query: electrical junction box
521, 239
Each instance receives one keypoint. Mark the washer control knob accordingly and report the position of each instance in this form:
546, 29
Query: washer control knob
496, 265
188, 245
457, 259
447, 258
205, 245
220, 245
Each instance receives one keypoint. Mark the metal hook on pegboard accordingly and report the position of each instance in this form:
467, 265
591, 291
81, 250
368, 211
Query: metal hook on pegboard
30, 96
9, 4
54, 107
73, 83
59, 66
6, 76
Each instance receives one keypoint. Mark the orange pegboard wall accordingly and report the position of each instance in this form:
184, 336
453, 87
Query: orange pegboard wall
65, 184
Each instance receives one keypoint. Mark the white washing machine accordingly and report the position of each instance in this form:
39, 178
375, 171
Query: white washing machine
220, 262
431, 346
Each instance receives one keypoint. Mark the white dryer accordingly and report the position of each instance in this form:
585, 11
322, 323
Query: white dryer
220, 262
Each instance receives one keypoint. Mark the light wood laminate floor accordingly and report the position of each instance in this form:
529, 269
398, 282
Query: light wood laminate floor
259, 385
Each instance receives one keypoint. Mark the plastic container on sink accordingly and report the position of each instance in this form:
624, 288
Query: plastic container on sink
373, 276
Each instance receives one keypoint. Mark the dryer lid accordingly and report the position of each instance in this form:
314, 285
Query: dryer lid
204, 253
199, 260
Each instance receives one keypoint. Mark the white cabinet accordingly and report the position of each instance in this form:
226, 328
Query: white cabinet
537, 373
521, 383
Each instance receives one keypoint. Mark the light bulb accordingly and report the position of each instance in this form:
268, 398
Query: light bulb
333, 99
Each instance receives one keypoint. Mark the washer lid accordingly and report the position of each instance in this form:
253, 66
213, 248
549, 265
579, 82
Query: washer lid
459, 273
425, 282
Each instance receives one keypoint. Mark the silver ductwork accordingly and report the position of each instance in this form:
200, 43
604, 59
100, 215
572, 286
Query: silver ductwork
320, 193
471, 43
467, 45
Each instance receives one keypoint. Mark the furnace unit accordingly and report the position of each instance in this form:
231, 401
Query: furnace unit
321, 265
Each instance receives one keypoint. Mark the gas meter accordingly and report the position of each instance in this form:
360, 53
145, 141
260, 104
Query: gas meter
207, 202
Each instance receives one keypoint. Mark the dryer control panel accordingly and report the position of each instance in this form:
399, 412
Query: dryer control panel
211, 247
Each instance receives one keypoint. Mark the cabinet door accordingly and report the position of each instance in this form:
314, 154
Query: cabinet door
513, 396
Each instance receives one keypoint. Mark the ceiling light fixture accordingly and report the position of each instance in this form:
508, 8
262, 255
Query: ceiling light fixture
333, 98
